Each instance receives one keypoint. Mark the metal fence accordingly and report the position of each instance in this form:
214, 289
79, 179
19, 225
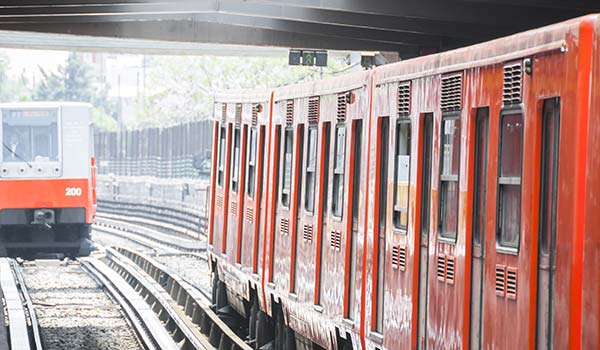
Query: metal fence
183, 202
181, 151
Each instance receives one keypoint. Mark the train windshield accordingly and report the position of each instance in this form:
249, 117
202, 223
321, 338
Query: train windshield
30, 135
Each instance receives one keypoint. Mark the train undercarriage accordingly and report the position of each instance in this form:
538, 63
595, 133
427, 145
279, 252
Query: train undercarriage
31, 233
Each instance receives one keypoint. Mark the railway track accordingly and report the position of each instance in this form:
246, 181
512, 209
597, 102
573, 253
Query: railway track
21, 330
149, 234
136, 312
190, 305
143, 248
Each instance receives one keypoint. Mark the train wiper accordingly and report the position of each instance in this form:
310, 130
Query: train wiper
16, 155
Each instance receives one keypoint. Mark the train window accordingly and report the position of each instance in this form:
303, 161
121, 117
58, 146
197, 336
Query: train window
30, 136
287, 167
250, 179
549, 173
356, 171
449, 172
338, 171
402, 174
235, 165
509, 180
300, 156
311, 168
481, 144
221, 171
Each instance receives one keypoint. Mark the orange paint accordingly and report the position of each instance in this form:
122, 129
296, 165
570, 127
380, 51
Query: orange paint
472, 122
417, 237
584, 68
241, 193
226, 190
257, 200
349, 221
319, 219
269, 195
363, 296
294, 216
213, 181
46, 193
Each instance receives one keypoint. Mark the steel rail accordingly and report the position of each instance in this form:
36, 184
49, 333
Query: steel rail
149, 329
157, 224
23, 328
191, 301
181, 328
150, 236
191, 220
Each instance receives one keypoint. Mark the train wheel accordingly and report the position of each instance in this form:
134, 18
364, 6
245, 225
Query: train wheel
252, 320
221, 295
85, 247
279, 331
86, 231
262, 330
347, 345
290, 339
214, 288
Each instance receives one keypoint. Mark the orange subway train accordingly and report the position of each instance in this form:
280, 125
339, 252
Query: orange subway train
47, 179
445, 202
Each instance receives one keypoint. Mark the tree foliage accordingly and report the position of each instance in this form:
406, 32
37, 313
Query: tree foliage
74, 82
183, 87
12, 90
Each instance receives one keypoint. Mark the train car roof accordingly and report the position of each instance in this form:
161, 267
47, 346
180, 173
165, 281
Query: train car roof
44, 104
243, 96
545, 39
327, 86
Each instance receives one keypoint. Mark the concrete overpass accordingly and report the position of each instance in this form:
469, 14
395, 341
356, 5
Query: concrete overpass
408, 27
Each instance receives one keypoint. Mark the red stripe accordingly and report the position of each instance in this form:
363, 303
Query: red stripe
213, 182
584, 65
365, 240
267, 191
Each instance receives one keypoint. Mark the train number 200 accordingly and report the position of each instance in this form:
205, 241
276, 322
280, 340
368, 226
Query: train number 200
73, 191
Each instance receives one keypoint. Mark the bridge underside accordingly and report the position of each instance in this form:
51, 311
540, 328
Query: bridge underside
408, 27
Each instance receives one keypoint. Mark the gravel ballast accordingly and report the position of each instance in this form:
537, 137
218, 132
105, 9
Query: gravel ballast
73, 310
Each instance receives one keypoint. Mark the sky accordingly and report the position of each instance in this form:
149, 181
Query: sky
30, 60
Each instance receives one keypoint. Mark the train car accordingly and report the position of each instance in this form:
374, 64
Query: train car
314, 213
454, 201
47, 178
237, 210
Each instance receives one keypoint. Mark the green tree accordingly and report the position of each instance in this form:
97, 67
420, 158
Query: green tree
183, 87
73, 81
11, 90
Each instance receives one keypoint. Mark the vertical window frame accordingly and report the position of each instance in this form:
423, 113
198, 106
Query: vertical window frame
548, 232
309, 201
397, 210
481, 176
442, 235
339, 173
252, 160
500, 245
236, 159
221, 159
286, 193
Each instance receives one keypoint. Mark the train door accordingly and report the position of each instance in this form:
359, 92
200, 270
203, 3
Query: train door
478, 235
547, 228
256, 263
426, 154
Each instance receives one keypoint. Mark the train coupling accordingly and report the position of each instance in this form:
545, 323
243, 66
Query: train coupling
43, 217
